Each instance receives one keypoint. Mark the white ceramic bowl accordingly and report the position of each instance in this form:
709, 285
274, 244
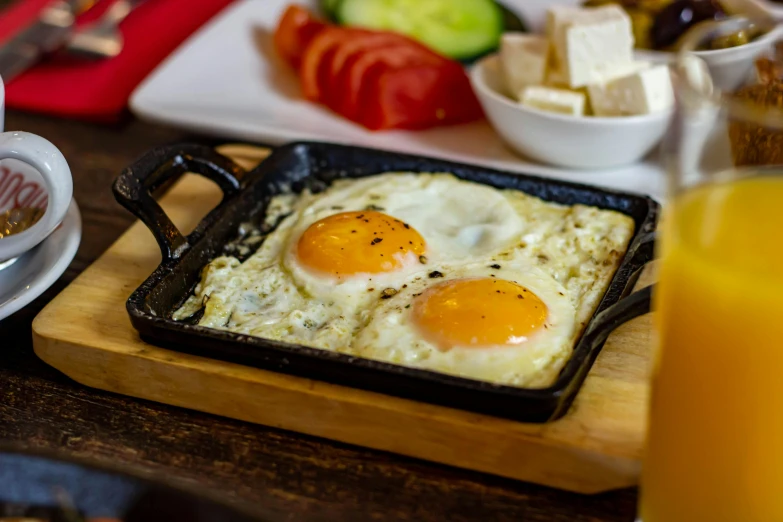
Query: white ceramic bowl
566, 141
730, 67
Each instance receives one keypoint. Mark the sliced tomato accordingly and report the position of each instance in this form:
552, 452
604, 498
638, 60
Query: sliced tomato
418, 97
351, 48
362, 50
370, 64
315, 66
295, 30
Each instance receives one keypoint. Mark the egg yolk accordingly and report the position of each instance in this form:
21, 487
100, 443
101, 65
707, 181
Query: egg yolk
366, 242
478, 312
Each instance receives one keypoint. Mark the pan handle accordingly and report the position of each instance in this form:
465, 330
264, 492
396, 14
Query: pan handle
629, 306
133, 189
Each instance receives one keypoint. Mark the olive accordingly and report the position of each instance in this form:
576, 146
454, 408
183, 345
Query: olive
652, 6
600, 3
735, 39
730, 40
679, 16
641, 21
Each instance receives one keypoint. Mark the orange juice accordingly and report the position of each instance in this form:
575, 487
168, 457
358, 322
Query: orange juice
715, 443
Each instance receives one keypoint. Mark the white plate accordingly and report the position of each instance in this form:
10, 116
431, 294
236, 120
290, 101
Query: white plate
31, 274
226, 81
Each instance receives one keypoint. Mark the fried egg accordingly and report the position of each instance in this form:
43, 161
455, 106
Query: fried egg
347, 255
511, 324
423, 270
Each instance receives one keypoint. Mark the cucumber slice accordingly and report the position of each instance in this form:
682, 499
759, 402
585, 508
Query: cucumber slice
457, 28
329, 8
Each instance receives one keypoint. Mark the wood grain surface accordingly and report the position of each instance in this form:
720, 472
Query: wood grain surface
286, 475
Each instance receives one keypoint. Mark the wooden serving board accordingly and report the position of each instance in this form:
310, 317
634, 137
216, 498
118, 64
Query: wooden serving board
85, 332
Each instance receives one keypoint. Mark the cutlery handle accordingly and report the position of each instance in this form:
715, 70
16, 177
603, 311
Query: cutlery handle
133, 189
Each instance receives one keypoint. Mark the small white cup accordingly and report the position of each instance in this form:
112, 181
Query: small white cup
35, 174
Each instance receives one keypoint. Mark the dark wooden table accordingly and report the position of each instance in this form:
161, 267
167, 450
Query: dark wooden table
289, 476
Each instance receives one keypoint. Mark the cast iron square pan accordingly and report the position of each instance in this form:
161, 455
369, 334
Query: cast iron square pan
315, 165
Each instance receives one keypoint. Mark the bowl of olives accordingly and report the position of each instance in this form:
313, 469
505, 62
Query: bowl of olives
714, 30
658, 25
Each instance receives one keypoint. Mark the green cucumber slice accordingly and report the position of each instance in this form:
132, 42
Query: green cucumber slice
329, 8
457, 28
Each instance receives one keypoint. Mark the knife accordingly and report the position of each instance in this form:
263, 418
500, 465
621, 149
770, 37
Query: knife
50, 32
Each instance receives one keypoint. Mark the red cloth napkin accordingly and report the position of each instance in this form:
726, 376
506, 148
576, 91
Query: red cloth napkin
99, 91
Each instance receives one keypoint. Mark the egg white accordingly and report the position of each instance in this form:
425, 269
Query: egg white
564, 254
391, 335
458, 220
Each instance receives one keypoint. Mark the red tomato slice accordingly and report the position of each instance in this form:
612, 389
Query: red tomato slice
419, 96
370, 64
363, 49
315, 66
296, 28
350, 49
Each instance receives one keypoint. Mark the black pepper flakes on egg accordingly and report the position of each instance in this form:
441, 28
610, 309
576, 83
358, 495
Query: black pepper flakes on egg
388, 293
435, 274
495, 266
375, 241
422, 259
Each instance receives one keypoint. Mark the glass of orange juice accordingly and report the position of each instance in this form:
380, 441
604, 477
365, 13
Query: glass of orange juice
715, 442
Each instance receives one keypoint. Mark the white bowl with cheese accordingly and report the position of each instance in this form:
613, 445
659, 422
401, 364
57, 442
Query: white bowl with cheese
561, 139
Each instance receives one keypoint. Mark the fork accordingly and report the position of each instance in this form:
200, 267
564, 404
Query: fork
102, 38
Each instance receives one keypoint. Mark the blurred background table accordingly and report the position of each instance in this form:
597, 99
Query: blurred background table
289, 476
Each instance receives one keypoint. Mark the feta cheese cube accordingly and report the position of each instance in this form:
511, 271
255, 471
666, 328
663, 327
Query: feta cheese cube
524, 59
557, 19
554, 100
643, 92
591, 45
558, 16
556, 77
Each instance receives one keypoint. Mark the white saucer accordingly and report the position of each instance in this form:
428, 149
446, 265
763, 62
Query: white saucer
31, 274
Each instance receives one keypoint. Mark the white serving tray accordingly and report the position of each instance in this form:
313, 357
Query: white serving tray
226, 81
